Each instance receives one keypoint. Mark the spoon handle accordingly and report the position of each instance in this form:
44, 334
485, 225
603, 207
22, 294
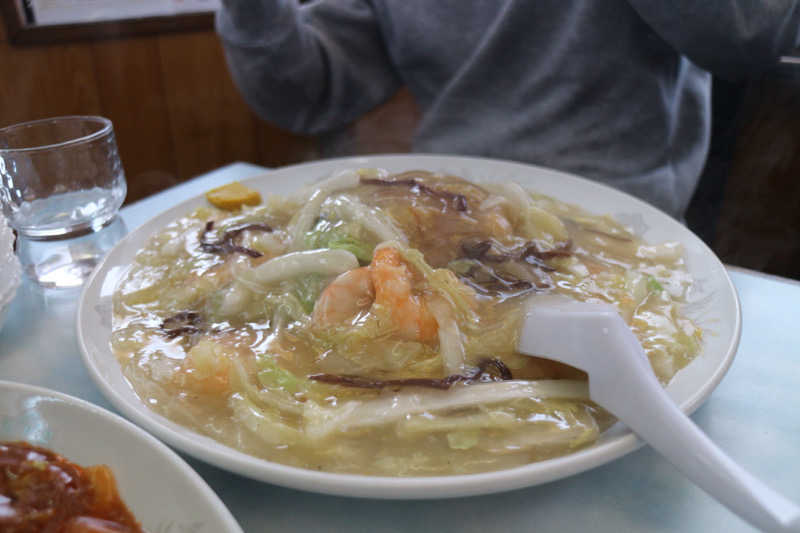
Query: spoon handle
594, 338
650, 413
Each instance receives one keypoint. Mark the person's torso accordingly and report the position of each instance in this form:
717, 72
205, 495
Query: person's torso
584, 86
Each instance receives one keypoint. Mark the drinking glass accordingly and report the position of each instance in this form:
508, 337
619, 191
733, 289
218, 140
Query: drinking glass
61, 181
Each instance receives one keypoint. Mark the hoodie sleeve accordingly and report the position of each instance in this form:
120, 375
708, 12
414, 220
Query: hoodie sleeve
310, 68
730, 38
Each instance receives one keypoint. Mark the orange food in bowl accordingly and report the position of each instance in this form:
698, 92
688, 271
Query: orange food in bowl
233, 196
42, 491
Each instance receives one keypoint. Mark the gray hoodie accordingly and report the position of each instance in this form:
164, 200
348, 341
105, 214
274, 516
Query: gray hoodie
613, 90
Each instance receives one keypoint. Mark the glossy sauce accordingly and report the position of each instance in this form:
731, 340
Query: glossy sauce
41, 491
245, 377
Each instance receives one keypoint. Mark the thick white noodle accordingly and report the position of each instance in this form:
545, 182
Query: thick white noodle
323, 421
372, 219
537, 223
514, 194
305, 218
451, 347
326, 262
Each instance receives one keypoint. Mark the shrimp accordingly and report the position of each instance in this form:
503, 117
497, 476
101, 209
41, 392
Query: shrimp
347, 295
385, 282
391, 278
206, 368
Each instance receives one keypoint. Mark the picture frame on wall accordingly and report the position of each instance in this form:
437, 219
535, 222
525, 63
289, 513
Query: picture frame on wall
30, 22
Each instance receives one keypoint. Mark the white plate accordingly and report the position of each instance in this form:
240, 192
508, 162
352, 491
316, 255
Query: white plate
161, 490
714, 306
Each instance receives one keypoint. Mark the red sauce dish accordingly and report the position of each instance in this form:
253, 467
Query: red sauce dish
41, 491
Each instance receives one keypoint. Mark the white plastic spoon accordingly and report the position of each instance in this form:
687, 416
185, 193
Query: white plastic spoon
595, 339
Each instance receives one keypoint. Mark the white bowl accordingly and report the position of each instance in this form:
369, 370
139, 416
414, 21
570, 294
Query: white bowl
714, 306
160, 489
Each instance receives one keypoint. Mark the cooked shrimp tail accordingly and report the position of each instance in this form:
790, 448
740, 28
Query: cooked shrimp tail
386, 282
393, 289
347, 295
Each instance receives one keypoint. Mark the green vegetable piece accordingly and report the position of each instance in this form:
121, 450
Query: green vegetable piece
308, 289
318, 237
461, 266
286, 306
339, 236
653, 284
361, 250
272, 376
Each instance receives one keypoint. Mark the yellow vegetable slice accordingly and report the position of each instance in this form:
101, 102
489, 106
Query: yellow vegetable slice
233, 196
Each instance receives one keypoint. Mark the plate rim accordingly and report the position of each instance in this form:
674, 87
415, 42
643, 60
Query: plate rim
386, 487
210, 497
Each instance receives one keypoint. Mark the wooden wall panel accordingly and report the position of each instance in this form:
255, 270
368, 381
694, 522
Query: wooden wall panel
175, 110
277, 147
46, 81
132, 95
209, 121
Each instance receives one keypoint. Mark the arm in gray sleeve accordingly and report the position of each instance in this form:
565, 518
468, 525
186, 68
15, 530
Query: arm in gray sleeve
731, 38
308, 69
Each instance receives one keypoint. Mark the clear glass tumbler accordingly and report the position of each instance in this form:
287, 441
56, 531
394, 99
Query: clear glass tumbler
60, 178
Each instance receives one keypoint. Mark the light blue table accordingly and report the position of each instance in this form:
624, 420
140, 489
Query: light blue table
754, 415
